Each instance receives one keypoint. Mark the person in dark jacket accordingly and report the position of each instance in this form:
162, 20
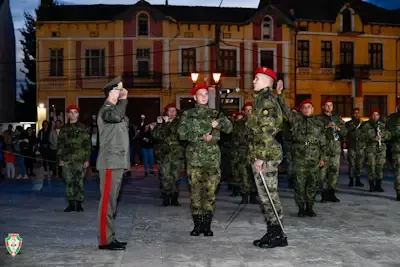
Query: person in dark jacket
147, 149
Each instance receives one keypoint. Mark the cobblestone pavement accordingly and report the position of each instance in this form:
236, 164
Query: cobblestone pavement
361, 230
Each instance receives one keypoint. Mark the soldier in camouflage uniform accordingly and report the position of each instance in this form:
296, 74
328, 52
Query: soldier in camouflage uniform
226, 161
235, 179
355, 148
242, 169
287, 146
335, 134
375, 134
203, 157
393, 125
308, 153
73, 154
265, 153
171, 154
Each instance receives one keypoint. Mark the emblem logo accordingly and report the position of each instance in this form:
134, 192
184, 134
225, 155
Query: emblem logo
13, 244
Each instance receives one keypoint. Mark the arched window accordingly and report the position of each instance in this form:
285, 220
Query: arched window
267, 28
347, 17
143, 24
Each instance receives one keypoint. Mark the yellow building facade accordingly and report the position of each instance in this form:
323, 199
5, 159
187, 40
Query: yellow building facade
155, 48
349, 56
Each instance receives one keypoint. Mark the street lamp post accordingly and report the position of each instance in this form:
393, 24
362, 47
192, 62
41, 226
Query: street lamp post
216, 78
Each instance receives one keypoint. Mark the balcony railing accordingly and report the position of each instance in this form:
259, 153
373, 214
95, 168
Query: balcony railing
142, 79
351, 71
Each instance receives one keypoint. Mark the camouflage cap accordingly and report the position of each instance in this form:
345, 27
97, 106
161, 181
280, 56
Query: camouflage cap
111, 85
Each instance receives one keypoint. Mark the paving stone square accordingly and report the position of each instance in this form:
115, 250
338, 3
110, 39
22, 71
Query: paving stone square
362, 230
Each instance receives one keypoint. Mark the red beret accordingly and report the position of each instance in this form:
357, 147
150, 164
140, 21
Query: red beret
172, 105
374, 110
327, 101
71, 107
247, 104
198, 87
356, 109
306, 101
267, 71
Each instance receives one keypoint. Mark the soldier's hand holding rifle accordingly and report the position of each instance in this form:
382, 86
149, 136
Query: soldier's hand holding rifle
258, 164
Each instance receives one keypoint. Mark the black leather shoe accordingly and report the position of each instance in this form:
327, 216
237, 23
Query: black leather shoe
112, 246
122, 243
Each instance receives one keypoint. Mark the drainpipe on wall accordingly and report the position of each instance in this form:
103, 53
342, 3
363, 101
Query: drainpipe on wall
295, 65
397, 69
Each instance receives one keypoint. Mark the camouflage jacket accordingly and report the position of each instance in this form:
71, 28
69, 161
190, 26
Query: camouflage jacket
193, 125
370, 130
393, 125
73, 143
169, 145
333, 147
354, 140
264, 124
308, 134
240, 136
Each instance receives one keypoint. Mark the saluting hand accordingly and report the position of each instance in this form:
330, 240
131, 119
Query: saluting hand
123, 94
279, 87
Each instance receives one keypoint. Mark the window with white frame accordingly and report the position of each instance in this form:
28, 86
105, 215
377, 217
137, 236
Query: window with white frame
143, 62
267, 28
95, 63
188, 61
143, 24
56, 62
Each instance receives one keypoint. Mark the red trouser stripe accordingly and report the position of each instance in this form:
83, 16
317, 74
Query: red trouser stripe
104, 207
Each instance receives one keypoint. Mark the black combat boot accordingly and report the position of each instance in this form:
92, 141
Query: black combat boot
273, 238
245, 199
358, 182
378, 186
325, 197
333, 197
309, 210
351, 182
71, 206
302, 211
174, 199
165, 198
371, 186
206, 224
79, 207
253, 198
197, 225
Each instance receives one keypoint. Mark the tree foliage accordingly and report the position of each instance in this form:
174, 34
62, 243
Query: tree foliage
26, 109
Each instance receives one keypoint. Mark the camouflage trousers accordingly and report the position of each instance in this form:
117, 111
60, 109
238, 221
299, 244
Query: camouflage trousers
306, 180
396, 168
170, 176
203, 184
329, 173
375, 162
73, 173
236, 172
270, 173
356, 160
